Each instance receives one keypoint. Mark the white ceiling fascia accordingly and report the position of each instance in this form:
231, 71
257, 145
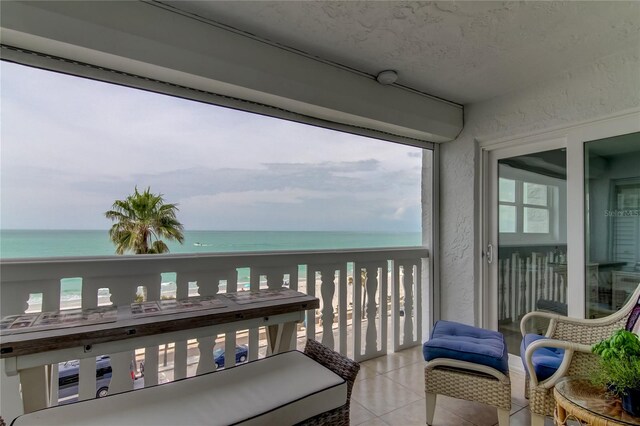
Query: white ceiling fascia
147, 40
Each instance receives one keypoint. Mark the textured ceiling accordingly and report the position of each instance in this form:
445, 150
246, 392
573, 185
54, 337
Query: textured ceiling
460, 51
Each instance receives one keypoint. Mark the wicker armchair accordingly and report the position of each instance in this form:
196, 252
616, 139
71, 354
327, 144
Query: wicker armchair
343, 367
575, 336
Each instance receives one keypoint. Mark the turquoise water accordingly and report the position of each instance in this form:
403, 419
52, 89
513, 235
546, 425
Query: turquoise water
56, 243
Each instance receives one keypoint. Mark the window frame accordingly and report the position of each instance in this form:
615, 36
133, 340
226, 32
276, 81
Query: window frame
552, 236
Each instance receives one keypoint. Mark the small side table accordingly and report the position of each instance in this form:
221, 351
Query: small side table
577, 399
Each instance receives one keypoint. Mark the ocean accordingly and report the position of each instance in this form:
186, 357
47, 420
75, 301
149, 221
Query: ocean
15, 244
59, 243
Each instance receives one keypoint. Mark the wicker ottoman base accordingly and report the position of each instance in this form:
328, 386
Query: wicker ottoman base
465, 380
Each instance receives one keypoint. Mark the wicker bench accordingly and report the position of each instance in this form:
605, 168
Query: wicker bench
468, 363
310, 388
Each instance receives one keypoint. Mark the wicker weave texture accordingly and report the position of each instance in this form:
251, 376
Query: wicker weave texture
469, 386
541, 401
343, 367
586, 332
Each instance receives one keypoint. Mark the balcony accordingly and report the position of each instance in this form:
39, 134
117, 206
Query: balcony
370, 304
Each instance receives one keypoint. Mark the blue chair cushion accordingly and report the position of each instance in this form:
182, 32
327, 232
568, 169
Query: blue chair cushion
466, 343
546, 361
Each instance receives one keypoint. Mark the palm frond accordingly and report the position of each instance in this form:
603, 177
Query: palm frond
141, 220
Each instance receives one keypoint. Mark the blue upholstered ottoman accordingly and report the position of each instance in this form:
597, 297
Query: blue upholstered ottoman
469, 363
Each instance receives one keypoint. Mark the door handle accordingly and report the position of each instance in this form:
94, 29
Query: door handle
489, 253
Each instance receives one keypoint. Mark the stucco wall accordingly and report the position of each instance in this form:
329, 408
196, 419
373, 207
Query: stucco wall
608, 85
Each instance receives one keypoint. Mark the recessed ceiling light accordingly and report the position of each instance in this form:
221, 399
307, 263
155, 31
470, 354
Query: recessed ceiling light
387, 77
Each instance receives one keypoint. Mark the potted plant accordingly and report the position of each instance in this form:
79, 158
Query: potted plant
620, 368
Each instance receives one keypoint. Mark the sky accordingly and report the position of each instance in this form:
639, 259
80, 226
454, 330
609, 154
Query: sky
71, 146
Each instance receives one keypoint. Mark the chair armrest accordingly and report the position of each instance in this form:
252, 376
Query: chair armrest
613, 321
569, 349
537, 314
586, 326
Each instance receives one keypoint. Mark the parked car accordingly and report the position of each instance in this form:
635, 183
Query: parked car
68, 377
242, 352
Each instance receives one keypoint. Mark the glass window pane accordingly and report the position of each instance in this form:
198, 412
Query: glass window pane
507, 220
612, 222
535, 194
532, 243
507, 190
536, 221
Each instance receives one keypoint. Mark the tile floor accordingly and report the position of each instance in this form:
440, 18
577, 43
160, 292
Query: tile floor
390, 391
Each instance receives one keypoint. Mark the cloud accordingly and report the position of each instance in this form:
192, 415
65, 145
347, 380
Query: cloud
225, 200
71, 146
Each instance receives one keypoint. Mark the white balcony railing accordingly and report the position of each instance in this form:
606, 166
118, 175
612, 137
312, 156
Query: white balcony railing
526, 278
369, 299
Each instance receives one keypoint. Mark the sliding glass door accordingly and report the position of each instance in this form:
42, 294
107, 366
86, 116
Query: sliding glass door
612, 222
560, 223
530, 259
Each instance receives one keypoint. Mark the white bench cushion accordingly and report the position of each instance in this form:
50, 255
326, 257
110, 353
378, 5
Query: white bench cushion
283, 389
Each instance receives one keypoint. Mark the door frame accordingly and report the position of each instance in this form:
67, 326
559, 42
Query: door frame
572, 137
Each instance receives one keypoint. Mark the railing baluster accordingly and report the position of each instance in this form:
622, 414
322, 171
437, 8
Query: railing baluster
371, 285
180, 358
207, 287
274, 277
407, 282
383, 281
153, 285
311, 291
206, 346
53, 379
358, 284
51, 296
395, 305
293, 278
327, 290
121, 372
254, 333
180, 348
151, 366
87, 379
342, 309
230, 337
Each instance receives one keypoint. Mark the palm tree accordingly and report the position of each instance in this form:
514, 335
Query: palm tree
142, 219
